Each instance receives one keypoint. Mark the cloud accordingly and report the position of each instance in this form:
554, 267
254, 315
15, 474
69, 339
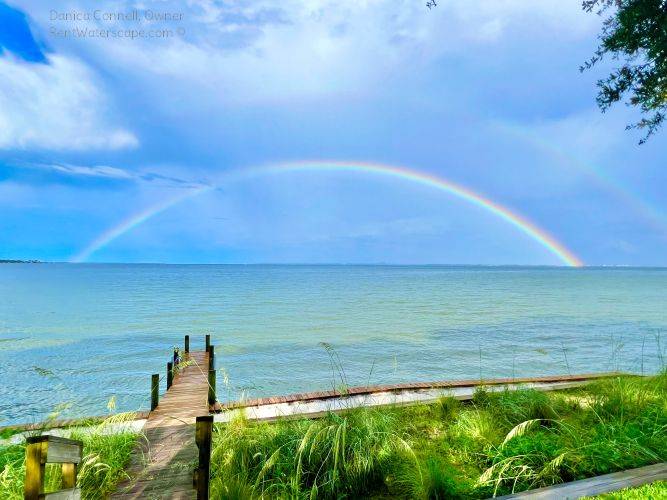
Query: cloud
55, 106
96, 171
262, 51
111, 173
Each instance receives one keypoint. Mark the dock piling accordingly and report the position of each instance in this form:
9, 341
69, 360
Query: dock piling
211, 387
170, 374
187, 344
211, 357
155, 390
208, 341
203, 438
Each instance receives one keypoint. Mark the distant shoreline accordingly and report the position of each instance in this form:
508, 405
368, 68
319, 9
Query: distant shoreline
18, 261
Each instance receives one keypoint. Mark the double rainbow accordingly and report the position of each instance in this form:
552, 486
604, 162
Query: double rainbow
520, 222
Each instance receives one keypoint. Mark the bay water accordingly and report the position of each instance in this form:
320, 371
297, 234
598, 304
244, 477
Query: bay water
73, 336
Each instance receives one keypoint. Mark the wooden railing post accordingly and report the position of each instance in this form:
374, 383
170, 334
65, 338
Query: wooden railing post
203, 438
211, 357
176, 360
170, 374
187, 344
155, 390
69, 476
208, 341
35, 465
41, 450
211, 387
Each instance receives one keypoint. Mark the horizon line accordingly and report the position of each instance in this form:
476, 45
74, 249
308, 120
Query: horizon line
340, 264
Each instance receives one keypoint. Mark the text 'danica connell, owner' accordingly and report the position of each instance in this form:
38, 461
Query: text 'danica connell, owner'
123, 25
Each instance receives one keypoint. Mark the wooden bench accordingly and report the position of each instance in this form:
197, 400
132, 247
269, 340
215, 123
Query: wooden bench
42, 450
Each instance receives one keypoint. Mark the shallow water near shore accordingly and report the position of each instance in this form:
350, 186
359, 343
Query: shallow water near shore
78, 334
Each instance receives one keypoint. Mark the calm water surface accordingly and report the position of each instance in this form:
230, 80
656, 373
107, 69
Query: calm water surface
78, 334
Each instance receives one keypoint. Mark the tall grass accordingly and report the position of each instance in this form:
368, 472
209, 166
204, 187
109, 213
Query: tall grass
105, 454
498, 443
326, 458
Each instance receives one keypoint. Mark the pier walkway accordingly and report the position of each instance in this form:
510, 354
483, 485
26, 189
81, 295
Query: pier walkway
162, 465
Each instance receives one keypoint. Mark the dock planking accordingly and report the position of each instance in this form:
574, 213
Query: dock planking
162, 464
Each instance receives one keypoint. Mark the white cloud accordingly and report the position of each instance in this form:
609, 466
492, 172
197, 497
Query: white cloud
55, 106
235, 53
93, 171
114, 173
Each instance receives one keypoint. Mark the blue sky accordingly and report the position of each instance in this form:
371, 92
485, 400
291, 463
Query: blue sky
486, 94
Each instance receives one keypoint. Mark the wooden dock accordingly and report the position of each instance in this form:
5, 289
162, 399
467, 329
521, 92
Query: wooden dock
162, 465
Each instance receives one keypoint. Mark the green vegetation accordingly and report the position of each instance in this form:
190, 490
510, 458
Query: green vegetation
654, 491
105, 455
635, 34
498, 443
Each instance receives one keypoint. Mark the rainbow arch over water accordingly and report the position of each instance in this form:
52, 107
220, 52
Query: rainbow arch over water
513, 218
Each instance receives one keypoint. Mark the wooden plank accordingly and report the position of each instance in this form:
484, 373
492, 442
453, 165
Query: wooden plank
597, 485
162, 465
70, 494
61, 451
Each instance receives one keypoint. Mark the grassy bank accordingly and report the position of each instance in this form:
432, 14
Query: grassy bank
496, 444
105, 456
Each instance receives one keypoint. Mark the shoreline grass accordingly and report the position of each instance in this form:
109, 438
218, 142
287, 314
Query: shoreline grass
498, 443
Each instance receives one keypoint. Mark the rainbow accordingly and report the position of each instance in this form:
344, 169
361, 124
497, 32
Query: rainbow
521, 223
649, 213
135, 220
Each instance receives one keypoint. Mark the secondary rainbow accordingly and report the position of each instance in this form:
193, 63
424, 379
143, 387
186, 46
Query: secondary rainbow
520, 222
650, 213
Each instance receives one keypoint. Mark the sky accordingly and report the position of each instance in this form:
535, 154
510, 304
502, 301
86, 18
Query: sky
162, 146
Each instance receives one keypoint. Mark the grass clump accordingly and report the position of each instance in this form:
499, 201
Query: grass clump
105, 455
498, 443
337, 455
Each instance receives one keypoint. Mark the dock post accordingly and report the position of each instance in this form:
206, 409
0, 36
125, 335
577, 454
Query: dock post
211, 357
155, 390
187, 343
176, 360
211, 387
208, 341
203, 438
35, 471
170, 374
